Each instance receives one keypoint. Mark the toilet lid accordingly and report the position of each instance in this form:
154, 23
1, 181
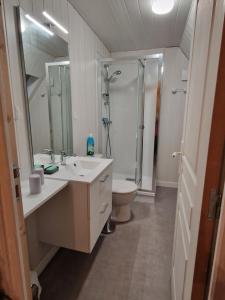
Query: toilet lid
123, 186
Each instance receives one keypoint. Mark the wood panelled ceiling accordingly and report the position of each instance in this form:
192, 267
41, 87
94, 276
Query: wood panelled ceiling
125, 25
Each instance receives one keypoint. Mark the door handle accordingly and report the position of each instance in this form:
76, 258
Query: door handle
175, 154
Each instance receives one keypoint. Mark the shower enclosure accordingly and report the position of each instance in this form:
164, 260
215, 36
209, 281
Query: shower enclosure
59, 105
124, 101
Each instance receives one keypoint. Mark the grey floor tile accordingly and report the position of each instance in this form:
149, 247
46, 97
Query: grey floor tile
134, 263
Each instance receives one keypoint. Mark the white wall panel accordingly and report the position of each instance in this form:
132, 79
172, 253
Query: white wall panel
60, 11
27, 5
85, 48
186, 40
38, 7
171, 116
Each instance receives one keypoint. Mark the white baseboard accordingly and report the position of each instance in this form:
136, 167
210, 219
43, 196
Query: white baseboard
170, 184
147, 197
45, 260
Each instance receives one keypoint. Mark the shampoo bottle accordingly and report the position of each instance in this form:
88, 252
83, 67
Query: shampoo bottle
90, 145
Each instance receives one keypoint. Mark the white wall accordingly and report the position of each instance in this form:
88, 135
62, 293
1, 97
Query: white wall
187, 36
84, 48
172, 111
171, 117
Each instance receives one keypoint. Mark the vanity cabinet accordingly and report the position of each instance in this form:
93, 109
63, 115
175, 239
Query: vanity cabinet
75, 218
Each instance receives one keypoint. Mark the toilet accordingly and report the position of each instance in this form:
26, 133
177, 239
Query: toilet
123, 193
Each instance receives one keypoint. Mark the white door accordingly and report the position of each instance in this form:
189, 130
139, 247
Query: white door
202, 81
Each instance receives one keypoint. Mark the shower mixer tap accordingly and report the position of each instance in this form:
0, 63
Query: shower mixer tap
105, 95
106, 121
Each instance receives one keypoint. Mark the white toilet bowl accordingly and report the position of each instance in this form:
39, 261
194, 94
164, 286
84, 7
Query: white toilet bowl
123, 193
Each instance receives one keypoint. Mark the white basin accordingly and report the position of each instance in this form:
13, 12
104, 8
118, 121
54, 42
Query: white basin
81, 169
71, 170
87, 164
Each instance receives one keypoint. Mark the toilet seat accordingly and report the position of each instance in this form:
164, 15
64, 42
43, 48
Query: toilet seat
123, 186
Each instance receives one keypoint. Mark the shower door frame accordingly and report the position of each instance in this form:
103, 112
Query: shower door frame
140, 127
160, 59
47, 65
139, 59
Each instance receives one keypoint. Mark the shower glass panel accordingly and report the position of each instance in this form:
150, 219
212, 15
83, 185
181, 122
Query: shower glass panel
58, 78
122, 108
140, 124
129, 108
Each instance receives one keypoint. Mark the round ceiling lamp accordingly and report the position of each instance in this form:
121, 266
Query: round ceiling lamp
162, 7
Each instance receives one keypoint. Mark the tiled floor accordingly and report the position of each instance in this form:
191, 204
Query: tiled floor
134, 263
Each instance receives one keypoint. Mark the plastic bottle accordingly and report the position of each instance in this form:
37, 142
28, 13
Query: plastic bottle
90, 145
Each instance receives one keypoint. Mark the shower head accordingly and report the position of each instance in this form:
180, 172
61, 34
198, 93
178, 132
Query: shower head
118, 72
113, 76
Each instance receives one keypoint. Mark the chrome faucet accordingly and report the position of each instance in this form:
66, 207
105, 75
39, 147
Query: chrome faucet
51, 153
63, 158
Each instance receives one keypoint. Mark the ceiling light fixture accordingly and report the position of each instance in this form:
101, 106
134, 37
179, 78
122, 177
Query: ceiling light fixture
50, 18
39, 24
162, 7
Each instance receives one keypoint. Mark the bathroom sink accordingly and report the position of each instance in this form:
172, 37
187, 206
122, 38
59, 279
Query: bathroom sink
72, 170
81, 169
89, 165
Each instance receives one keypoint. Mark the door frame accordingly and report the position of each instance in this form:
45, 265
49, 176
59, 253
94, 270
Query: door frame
208, 227
217, 282
14, 264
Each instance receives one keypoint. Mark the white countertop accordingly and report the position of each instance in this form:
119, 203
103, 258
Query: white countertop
32, 202
73, 170
78, 169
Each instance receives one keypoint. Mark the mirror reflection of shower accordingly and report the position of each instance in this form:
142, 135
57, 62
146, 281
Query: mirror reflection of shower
107, 120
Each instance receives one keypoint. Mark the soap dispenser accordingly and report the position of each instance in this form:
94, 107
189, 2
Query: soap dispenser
90, 145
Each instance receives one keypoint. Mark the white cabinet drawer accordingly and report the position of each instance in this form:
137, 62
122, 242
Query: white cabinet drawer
100, 204
105, 196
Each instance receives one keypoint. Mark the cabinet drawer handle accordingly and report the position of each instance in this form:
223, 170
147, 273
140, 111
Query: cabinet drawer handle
104, 208
104, 178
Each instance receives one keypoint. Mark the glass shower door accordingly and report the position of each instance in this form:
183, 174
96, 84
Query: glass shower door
140, 124
60, 107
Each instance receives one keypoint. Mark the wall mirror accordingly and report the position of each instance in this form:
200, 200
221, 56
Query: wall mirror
46, 65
